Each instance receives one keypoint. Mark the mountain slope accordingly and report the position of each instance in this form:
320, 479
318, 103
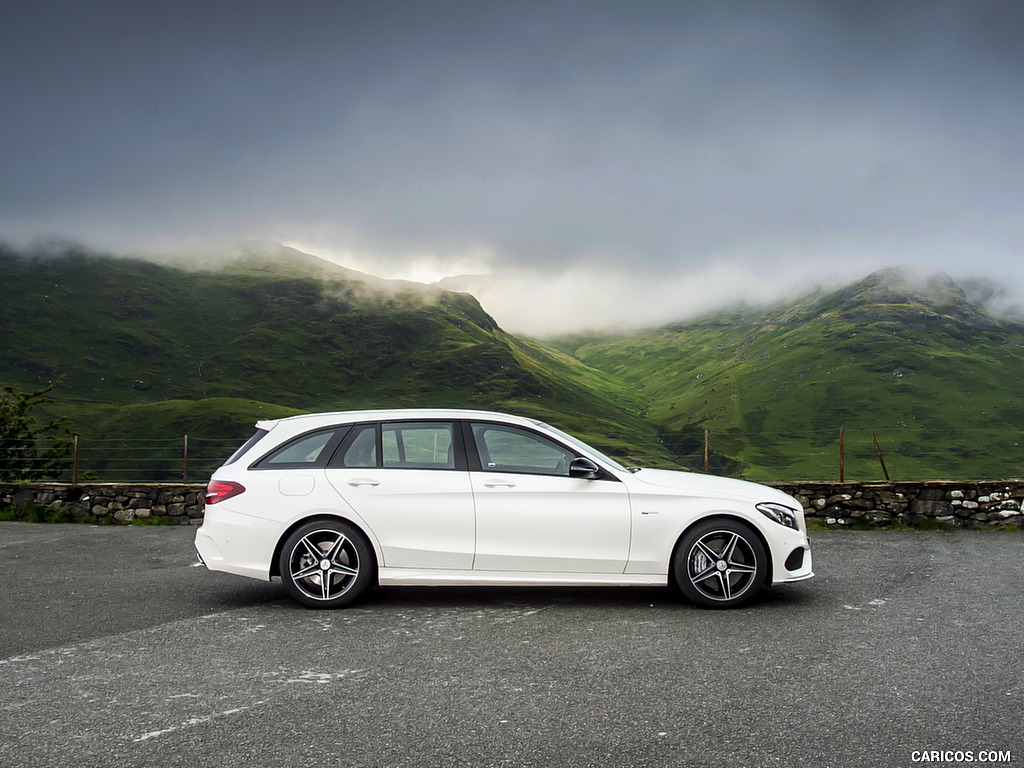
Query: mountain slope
936, 377
149, 351
283, 328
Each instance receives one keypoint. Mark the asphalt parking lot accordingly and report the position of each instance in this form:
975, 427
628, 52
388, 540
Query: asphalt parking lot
116, 651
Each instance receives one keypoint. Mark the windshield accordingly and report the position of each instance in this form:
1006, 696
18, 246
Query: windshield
579, 444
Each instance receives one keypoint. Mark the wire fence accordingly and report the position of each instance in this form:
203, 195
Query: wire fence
855, 454
832, 454
186, 459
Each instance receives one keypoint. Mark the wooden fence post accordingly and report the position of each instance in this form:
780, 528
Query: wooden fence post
880, 459
706, 470
184, 468
842, 454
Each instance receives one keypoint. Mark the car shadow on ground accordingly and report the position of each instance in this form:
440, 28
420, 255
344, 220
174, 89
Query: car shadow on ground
603, 598
475, 598
518, 595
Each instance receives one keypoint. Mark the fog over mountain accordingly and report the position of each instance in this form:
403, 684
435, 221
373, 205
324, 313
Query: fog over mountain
614, 163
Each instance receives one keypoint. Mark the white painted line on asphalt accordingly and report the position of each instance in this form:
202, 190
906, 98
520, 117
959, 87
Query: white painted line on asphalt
195, 721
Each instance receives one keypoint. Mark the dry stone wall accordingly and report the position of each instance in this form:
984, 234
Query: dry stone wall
987, 504
111, 502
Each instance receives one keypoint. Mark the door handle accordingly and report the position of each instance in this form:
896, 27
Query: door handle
499, 484
357, 481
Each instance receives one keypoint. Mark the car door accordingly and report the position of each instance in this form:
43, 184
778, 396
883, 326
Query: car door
532, 516
408, 481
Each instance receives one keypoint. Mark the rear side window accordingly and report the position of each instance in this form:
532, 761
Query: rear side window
310, 450
260, 434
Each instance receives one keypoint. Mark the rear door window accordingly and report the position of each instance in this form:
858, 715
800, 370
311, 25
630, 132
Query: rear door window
401, 445
360, 449
419, 445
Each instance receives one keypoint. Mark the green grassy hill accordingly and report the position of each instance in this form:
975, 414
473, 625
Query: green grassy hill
146, 351
935, 377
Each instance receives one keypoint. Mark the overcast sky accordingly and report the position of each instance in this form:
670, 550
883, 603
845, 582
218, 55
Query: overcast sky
611, 162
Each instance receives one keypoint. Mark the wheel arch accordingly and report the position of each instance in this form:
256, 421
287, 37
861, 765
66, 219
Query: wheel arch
769, 570
275, 569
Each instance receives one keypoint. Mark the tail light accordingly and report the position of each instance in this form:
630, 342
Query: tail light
219, 490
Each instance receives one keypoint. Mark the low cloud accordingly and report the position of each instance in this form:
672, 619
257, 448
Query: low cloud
613, 298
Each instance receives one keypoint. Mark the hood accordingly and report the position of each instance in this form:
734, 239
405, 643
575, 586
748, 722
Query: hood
712, 486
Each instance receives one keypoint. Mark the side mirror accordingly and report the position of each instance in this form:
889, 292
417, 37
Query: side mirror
583, 468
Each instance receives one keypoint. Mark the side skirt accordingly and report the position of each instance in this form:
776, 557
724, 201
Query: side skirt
409, 577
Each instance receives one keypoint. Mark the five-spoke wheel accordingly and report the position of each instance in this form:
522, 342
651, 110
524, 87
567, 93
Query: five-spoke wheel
720, 564
326, 564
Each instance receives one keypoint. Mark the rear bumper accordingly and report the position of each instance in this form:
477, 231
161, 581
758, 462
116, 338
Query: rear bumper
237, 544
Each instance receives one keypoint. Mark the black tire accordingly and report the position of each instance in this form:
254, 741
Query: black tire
720, 564
326, 564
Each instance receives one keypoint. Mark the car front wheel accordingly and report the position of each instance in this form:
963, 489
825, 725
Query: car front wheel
720, 564
326, 564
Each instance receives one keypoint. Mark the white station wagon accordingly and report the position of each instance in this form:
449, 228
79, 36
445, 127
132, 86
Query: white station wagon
333, 503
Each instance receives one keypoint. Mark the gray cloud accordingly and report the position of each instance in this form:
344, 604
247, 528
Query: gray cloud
648, 138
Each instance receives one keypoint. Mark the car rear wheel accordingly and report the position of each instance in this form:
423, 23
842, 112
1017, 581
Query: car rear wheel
720, 564
326, 564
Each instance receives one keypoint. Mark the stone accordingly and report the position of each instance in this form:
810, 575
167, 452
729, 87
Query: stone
931, 508
861, 503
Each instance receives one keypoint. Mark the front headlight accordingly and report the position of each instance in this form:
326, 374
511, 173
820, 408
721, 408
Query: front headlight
779, 513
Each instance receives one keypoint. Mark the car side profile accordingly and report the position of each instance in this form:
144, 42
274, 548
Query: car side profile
334, 503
